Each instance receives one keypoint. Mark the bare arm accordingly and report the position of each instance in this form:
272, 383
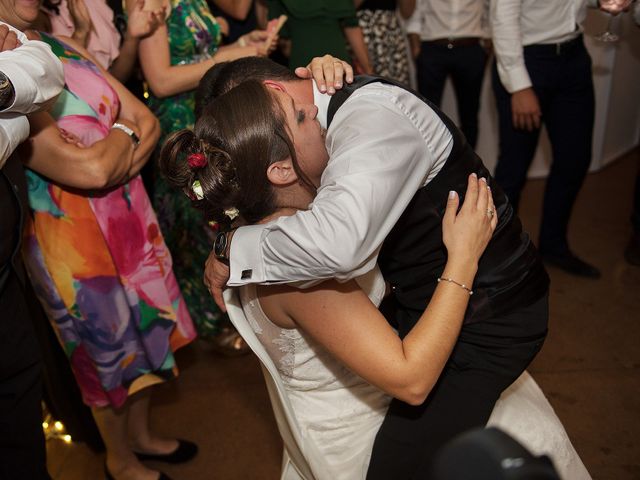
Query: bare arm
140, 24
107, 162
238, 9
134, 112
336, 314
166, 80
356, 40
104, 163
81, 21
406, 7
262, 14
122, 67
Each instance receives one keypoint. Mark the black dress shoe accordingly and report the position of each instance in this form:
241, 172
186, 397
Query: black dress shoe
108, 476
184, 452
571, 264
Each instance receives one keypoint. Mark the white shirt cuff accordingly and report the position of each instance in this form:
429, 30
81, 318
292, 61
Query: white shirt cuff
25, 89
245, 257
414, 23
515, 79
14, 129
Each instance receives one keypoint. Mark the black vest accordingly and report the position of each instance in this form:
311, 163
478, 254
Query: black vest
510, 273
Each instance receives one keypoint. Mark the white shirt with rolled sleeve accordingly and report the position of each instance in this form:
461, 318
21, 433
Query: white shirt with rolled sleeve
37, 77
384, 144
448, 19
518, 23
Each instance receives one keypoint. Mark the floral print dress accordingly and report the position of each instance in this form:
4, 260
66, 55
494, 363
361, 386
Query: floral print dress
194, 36
98, 261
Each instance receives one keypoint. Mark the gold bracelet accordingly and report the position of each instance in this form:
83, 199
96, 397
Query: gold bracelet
242, 42
451, 280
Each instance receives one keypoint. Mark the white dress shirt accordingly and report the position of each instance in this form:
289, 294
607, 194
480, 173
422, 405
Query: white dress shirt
37, 77
439, 19
517, 23
384, 144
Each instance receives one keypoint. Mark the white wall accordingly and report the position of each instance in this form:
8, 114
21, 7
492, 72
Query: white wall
616, 74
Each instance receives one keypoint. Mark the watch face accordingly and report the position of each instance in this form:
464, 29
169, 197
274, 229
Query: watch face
220, 244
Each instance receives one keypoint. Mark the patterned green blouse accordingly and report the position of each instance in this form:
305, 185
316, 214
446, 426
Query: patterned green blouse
194, 36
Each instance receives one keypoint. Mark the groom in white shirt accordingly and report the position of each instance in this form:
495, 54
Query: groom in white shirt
393, 160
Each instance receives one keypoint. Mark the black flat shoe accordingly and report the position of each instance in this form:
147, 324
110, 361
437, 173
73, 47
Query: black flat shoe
571, 264
184, 452
108, 476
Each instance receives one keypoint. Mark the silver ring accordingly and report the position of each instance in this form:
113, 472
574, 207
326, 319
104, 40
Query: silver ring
490, 212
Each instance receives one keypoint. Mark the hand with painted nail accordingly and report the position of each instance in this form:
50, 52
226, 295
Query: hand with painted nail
71, 138
328, 72
466, 232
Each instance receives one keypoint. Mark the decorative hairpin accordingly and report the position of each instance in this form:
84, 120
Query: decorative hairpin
196, 188
232, 213
197, 160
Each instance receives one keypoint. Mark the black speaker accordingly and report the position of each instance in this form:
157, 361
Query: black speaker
490, 454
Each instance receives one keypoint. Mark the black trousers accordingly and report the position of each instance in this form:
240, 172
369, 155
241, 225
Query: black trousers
488, 357
22, 448
466, 66
563, 83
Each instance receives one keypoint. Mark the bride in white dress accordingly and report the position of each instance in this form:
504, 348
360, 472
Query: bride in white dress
338, 357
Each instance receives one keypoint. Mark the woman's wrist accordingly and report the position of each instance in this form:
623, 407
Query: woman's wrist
461, 270
130, 37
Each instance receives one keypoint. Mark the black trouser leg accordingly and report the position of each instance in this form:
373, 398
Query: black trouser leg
432, 71
467, 74
480, 368
22, 449
516, 147
569, 116
466, 66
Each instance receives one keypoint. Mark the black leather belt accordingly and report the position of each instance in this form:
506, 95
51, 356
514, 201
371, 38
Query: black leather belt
454, 42
555, 48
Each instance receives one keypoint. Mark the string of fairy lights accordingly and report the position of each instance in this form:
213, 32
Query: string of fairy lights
54, 429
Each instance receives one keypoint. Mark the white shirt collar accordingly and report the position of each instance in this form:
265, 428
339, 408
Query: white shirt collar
321, 100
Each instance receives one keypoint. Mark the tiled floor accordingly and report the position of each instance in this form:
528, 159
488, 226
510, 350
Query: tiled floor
589, 367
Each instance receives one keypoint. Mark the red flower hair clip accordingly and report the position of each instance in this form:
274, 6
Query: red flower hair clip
197, 160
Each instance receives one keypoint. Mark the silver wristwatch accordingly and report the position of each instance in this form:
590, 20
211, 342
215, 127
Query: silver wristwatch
6, 91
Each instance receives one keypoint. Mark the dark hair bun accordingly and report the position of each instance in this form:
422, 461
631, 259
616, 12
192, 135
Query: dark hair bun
241, 133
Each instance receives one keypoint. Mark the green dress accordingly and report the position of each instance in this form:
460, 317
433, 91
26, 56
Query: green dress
315, 27
194, 35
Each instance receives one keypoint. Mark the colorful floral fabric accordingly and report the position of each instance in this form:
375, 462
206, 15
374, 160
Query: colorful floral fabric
98, 260
194, 35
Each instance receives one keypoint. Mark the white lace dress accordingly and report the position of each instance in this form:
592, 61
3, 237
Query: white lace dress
340, 413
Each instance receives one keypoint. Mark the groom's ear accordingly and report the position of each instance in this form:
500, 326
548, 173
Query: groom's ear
282, 173
275, 85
